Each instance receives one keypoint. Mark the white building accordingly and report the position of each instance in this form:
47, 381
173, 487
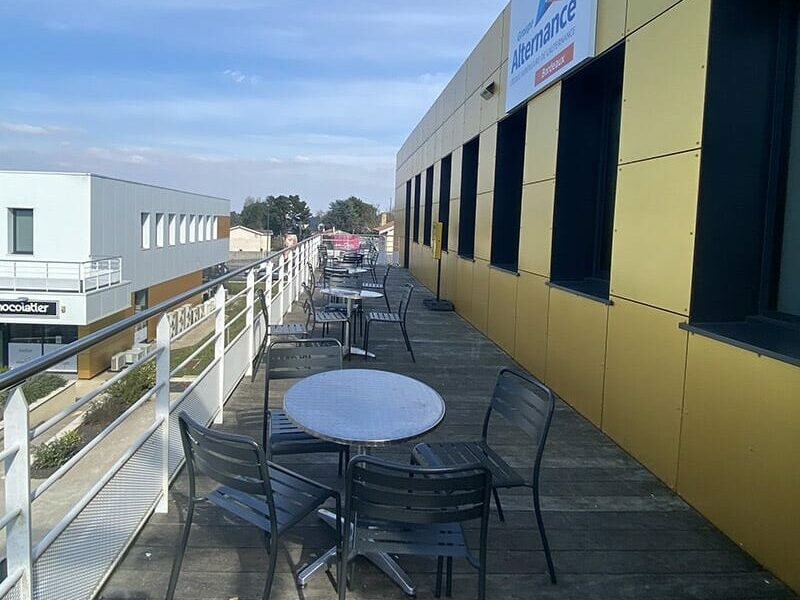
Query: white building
82, 251
245, 239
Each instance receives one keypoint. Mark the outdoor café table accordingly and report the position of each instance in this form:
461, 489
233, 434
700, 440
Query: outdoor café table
351, 294
363, 408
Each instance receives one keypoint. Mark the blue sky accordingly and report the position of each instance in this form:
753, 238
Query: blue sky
228, 97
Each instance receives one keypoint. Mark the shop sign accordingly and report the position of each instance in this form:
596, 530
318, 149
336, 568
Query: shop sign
547, 39
28, 308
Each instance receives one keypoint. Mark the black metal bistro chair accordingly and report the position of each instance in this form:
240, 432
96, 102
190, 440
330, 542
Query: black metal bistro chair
525, 403
325, 317
389, 317
406, 509
284, 330
380, 286
294, 360
257, 491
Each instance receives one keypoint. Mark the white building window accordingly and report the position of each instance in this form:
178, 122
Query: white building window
192, 228
21, 230
201, 228
145, 231
209, 222
214, 230
159, 230
171, 229
182, 229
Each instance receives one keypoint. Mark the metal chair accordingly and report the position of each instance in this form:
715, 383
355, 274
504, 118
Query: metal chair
259, 492
389, 317
405, 509
289, 330
323, 317
380, 287
525, 403
294, 360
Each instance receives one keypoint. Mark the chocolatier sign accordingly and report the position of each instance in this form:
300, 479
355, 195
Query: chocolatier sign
28, 308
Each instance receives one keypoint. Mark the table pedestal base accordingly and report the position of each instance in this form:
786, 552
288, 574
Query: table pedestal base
381, 560
360, 352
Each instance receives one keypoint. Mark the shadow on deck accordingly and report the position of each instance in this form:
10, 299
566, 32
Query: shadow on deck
616, 531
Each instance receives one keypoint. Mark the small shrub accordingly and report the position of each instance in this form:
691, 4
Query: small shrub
38, 386
54, 454
122, 395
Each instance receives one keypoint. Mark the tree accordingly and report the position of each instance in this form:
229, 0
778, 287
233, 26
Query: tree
352, 215
280, 214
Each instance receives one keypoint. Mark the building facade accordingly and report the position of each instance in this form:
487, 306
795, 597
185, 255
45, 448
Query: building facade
245, 239
83, 251
629, 231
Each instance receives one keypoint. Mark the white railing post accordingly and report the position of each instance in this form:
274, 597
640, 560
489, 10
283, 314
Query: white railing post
18, 491
219, 348
162, 406
248, 322
268, 301
295, 273
281, 289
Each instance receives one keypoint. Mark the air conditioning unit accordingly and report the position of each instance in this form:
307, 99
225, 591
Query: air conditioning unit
118, 362
135, 353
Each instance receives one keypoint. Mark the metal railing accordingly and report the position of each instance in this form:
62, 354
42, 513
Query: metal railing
72, 558
341, 242
63, 277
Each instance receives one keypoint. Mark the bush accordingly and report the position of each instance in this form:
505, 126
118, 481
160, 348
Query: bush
38, 386
54, 454
122, 395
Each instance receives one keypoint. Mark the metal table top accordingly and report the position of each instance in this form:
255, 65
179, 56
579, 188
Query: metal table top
351, 293
363, 407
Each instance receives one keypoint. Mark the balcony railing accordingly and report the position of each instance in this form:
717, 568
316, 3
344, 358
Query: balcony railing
341, 242
61, 277
71, 558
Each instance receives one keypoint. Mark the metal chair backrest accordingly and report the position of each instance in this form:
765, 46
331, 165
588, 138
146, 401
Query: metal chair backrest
311, 276
301, 358
232, 460
524, 402
402, 309
386, 275
385, 491
262, 300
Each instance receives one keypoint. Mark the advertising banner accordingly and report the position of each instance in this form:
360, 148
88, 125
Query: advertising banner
547, 39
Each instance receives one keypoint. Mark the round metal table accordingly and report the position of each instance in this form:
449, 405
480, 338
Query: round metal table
363, 408
350, 295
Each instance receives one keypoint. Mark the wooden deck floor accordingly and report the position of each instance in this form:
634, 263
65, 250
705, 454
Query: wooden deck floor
615, 530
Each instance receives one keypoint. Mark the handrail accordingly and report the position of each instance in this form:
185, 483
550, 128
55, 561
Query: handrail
37, 365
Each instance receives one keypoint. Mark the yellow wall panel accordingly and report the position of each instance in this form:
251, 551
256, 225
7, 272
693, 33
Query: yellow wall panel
472, 116
463, 297
642, 11
455, 168
739, 460
449, 275
664, 91
536, 227
643, 399
576, 345
541, 136
533, 298
490, 107
501, 319
611, 16
483, 226
480, 295
654, 222
452, 225
487, 150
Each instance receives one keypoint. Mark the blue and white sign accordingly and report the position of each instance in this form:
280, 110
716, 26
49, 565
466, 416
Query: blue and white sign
547, 39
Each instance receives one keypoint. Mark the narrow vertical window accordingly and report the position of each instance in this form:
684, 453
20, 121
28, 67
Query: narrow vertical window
428, 212
171, 228
215, 228
159, 230
444, 198
469, 198
182, 229
192, 228
417, 190
21, 230
145, 238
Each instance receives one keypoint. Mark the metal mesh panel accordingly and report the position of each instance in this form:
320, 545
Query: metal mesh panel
200, 404
236, 360
74, 564
15, 593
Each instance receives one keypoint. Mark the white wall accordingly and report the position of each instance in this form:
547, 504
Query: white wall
60, 204
116, 230
248, 241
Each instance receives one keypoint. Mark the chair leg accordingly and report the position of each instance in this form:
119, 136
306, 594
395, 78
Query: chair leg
341, 461
449, 589
366, 341
386, 297
439, 566
408, 342
343, 342
272, 546
179, 553
540, 523
499, 506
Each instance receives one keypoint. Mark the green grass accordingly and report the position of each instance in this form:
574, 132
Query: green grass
38, 386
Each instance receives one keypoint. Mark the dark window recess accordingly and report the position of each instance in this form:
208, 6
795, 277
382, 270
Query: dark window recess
407, 237
444, 198
746, 278
507, 207
426, 233
586, 176
417, 185
469, 198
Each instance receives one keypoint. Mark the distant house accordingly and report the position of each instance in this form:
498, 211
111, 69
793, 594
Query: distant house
386, 230
245, 239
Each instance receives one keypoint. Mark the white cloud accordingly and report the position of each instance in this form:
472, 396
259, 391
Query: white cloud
28, 129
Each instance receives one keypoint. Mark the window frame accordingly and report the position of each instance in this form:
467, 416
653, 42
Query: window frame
427, 214
13, 229
468, 204
417, 192
145, 233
